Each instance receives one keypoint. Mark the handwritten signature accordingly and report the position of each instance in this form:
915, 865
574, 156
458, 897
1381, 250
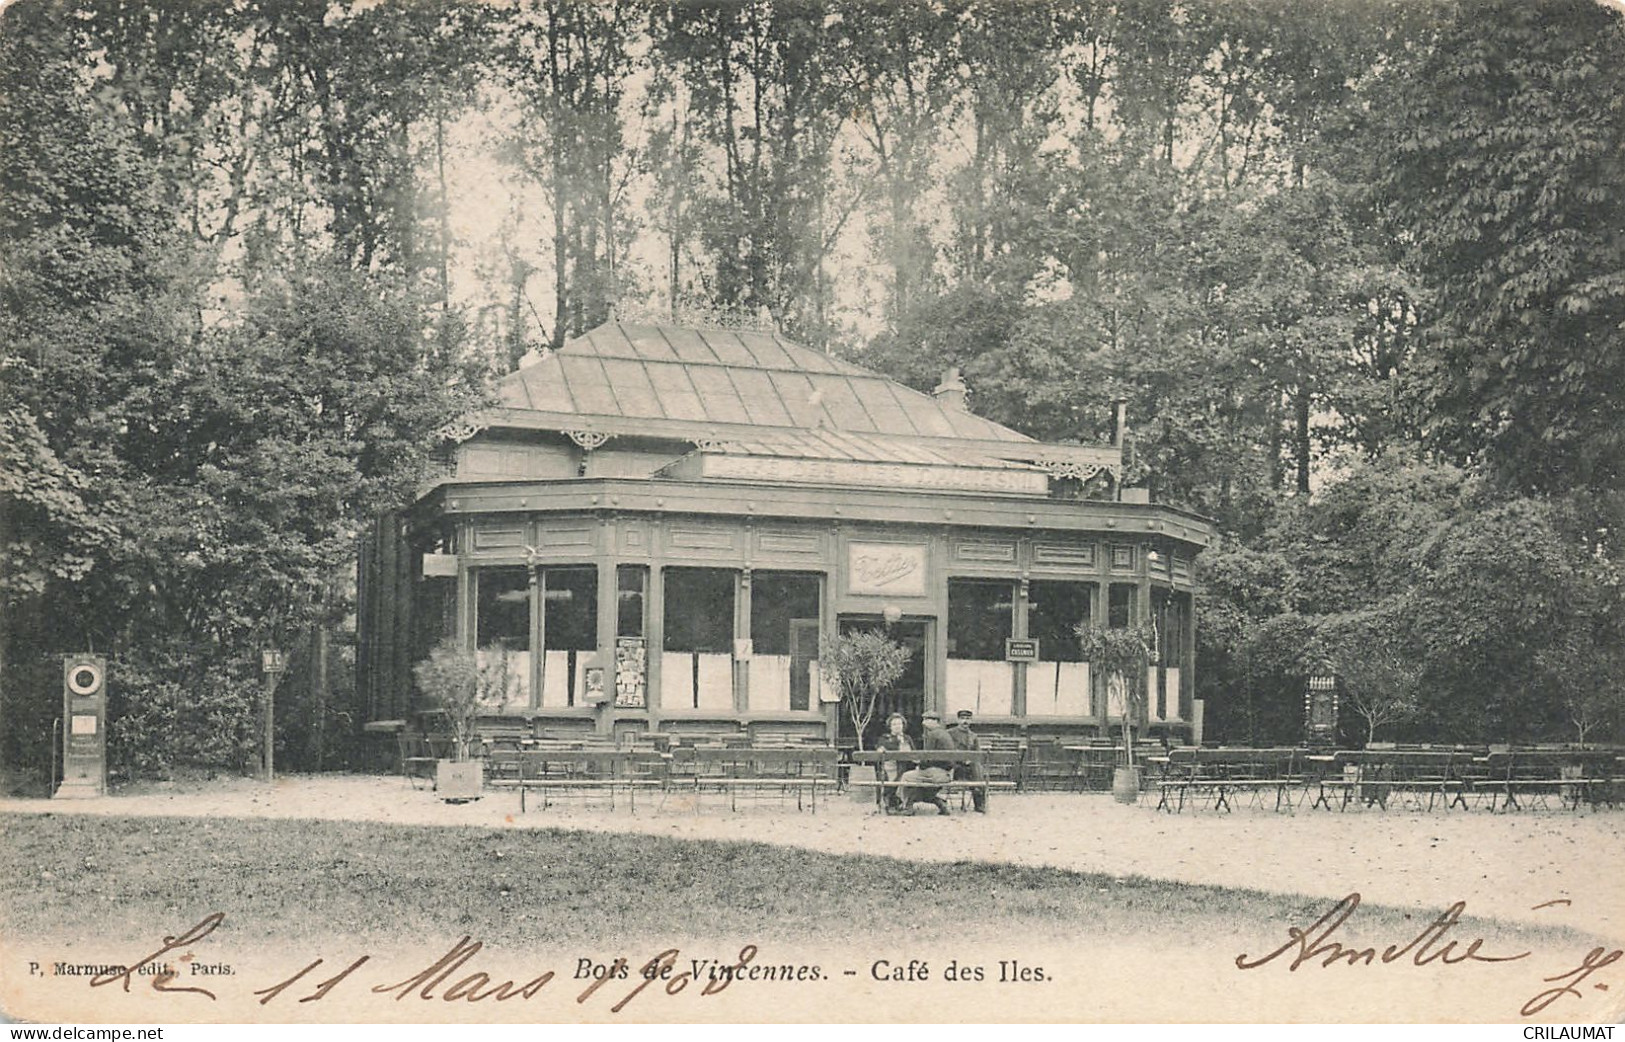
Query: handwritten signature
435, 980
1314, 944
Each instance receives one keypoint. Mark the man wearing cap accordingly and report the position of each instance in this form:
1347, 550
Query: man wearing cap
964, 738
923, 783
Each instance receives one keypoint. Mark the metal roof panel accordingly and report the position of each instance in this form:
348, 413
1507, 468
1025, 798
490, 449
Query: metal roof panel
796, 391
676, 393
717, 394
841, 401
726, 345
589, 385
632, 387
760, 397
610, 341
689, 345
647, 342
768, 350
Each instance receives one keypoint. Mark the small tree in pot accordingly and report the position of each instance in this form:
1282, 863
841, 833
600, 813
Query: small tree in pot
453, 679
1121, 655
861, 667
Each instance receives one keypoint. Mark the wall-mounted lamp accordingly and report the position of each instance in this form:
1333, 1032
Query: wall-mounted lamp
892, 614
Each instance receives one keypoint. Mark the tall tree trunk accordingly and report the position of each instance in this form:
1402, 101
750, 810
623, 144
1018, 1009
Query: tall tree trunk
1300, 442
445, 206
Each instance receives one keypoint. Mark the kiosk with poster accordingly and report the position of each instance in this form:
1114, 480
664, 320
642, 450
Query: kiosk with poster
84, 727
1320, 712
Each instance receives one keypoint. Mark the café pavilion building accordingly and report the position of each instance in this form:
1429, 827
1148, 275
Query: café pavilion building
657, 523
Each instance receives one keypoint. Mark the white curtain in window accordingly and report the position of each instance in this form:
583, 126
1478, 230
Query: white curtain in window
770, 683
1058, 689
716, 681
1172, 695
556, 679
677, 681
985, 688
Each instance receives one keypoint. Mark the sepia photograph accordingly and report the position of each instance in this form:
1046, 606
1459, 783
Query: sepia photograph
812, 512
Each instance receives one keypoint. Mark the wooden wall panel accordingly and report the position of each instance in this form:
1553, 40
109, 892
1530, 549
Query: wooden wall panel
1080, 556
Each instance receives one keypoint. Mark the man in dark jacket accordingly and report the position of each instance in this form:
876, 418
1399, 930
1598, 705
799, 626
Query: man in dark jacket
966, 739
923, 784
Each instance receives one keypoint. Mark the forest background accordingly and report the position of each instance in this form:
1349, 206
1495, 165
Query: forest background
1358, 268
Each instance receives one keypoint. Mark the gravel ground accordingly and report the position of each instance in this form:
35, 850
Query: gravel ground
1502, 865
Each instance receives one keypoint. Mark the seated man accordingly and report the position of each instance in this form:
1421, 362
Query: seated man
966, 739
923, 783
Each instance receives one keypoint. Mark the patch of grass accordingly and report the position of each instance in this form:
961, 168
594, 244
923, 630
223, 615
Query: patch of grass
294, 880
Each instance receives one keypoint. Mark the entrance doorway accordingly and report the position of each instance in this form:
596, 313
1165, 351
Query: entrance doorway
907, 696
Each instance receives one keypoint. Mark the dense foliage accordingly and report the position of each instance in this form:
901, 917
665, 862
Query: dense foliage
1356, 266
861, 667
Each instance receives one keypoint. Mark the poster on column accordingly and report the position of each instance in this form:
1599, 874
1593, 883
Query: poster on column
631, 670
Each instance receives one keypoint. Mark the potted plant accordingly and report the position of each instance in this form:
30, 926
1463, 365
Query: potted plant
861, 667
453, 679
1121, 654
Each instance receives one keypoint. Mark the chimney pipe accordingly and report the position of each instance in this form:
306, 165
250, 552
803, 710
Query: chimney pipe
952, 390
1119, 421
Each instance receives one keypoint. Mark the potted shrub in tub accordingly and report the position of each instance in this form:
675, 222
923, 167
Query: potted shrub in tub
454, 681
861, 667
1120, 655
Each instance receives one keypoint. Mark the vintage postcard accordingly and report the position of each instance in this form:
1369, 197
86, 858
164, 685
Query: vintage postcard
731, 512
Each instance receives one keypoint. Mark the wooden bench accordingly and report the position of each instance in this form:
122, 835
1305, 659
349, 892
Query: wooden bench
946, 758
771, 739
803, 772
584, 771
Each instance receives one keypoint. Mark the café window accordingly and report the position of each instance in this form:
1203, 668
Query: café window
1058, 683
1170, 616
632, 584
569, 633
1120, 606
696, 665
784, 613
980, 618
502, 628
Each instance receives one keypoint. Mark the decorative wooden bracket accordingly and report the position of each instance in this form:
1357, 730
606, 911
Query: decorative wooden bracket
459, 431
588, 440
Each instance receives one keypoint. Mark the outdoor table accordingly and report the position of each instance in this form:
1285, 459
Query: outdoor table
1322, 765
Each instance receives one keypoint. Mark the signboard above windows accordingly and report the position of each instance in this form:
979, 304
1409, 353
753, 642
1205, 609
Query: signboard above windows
886, 569
866, 474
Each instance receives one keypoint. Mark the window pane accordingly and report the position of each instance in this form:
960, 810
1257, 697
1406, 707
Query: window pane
980, 619
502, 626
1170, 615
784, 615
631, 581
569, 634
1055, 610
571, 595
1121, 607
696, 669
1058, 683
